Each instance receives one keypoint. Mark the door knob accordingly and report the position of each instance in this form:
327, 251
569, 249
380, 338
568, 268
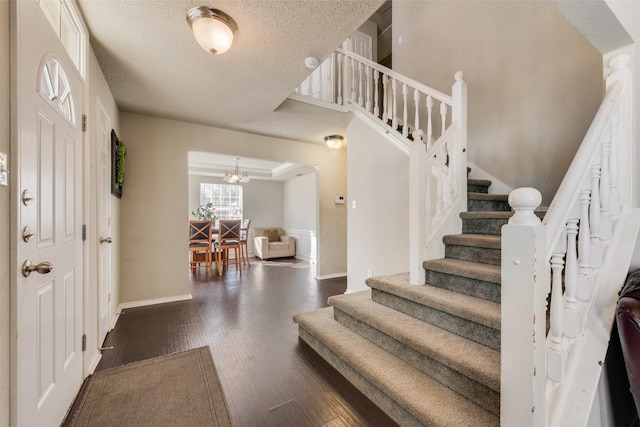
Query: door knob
104, 240
43, 267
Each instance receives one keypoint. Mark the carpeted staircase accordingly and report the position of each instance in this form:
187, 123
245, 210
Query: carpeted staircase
430, 354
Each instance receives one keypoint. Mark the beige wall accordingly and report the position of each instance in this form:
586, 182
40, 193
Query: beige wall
378, 229
299, 203
154, 207
5, 230
534, 82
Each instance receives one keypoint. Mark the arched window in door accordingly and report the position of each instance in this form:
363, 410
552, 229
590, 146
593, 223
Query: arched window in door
54, 87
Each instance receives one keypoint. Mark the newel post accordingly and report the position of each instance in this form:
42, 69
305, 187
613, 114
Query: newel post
525, 284
459, 116
417, 208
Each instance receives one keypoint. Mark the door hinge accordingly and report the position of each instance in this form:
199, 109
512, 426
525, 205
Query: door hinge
84, 232
84, 342
84, 123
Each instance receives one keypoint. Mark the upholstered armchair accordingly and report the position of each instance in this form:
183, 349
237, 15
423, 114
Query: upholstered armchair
273, 243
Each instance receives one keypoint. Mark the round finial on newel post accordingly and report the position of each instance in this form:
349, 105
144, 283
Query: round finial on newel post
417, 135
524, 201
459, 76
619, 62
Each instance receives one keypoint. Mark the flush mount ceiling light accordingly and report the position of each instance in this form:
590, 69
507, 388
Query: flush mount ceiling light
213, 29
334, 141
311, 62
236, 177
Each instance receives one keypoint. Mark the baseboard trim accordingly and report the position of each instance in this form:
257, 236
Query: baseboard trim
94, 362
331, 276
143, 303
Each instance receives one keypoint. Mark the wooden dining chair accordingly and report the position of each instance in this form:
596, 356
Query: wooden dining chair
244, 235
229, 238
200, 245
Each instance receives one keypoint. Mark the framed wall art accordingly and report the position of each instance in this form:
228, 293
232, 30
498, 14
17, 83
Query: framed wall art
118, 160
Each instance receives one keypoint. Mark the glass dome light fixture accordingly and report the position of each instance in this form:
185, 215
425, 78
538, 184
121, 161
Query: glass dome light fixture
236, 177
334, 141
213, 29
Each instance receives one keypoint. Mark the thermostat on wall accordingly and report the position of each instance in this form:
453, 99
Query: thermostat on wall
338, 200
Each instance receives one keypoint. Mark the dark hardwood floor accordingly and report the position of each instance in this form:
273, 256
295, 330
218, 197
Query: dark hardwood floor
269, 376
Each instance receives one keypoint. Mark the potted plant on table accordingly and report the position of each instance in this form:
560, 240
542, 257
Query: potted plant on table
206, 212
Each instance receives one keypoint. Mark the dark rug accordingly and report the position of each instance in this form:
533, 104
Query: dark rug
180, 389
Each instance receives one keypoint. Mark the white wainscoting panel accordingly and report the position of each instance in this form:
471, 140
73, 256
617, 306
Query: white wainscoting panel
306, 244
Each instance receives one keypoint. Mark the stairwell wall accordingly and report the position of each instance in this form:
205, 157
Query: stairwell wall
378, 225
534, 82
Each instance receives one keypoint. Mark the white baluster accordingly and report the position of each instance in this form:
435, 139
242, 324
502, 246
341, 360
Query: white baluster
416, 102
405, 113
605, 201
584, 241
310, 91
353, 80
555, 355
443, 116
571, 320
614, 207
429, 124
376, 108
385, 98
394, 108
339, 99
368, 76
360, 88
596, 250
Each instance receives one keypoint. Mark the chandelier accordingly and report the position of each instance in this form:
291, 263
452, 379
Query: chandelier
236, 177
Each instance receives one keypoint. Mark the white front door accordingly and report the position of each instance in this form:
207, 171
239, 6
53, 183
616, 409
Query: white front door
48, 106
104, 224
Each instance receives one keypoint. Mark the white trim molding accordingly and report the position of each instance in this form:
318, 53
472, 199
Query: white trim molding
143, 303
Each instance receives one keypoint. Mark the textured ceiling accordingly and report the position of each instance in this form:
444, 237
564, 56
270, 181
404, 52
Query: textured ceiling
154, 66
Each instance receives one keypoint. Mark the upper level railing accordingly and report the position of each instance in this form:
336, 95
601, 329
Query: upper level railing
579, 254
422, 122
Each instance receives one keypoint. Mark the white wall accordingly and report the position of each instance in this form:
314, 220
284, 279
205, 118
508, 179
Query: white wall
378, 228
153, 206
534, 82
5, 230
300, 217
98, 92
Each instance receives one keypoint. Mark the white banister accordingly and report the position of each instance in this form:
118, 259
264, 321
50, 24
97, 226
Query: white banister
585, 247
